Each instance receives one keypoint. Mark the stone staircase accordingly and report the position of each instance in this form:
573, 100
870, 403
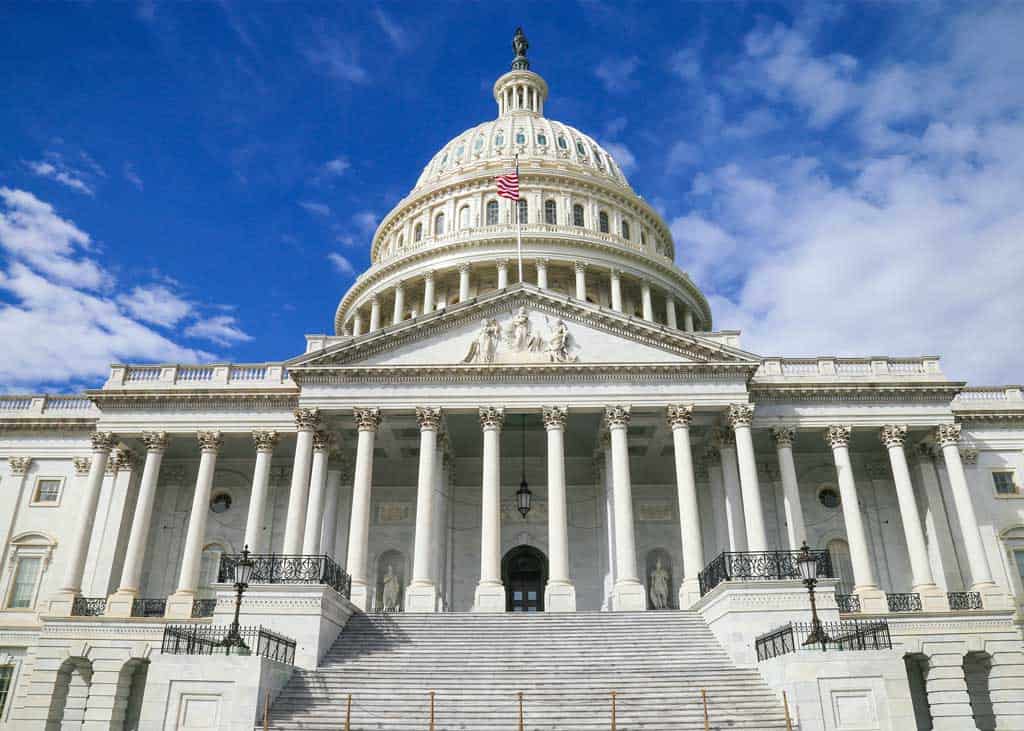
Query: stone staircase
564, 664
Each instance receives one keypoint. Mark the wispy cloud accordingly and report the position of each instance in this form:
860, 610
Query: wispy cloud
341, 263
333, 58
156, 304
398, 36
132, 176
317, 209
622, 154
54, 167
337, 167
220, 329
617, 74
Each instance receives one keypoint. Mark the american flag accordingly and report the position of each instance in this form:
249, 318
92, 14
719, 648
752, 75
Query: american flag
508, 185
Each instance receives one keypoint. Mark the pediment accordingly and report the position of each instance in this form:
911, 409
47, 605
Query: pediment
523, 326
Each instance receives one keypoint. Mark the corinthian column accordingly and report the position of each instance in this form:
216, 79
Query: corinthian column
120, 603
646, 302
464, 270
374, 313
421, 596
616, 285
740, 416
581, 280
428, 293
368, 421
948, 438
542, 273
398, 313
179, 604
317, 496
265, 442
872, 600
795, 530
306, 422
933, 599
736, 532
102, 443
679, 417
628, 594
559, 594
490, 593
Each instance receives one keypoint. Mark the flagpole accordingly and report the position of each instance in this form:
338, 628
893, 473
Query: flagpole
519, 229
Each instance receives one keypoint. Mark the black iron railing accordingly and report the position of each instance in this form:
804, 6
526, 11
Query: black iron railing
85, 606
149, 607
203, 607
388, 610
848, 603
960, 600
276, 568
758, 566
908, 602
842, 636
203, 639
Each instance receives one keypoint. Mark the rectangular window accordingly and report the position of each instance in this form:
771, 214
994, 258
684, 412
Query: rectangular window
1019, 555
6, 673
47, 491
24, 583
1004, 483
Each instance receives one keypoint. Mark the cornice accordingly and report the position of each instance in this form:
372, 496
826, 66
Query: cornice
858, 392
1008, 415
45, 424
376, 274
122, 400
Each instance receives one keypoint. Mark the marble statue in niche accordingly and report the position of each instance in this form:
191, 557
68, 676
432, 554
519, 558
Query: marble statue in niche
659, 586
392, 589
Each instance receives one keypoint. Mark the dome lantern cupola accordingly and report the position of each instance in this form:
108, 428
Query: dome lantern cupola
520, 91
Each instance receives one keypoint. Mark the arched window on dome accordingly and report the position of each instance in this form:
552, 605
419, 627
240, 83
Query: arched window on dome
464, 217
417, 232
479, 144
492, 213
520, 138
439, 224
401, 241
499, 139
550, 211
542, 139
625, 229
577, 215
562, 143
643, 238
602, 222
523, 209
581, 149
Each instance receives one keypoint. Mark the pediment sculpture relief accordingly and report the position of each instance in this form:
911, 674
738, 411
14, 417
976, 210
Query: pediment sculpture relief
519, 342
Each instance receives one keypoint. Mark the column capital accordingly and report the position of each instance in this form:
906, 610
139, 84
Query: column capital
465, 267
617, 417
265, 441
615, 273
400, 284
740, 415
122, 460
783, 435
155, 441
969, 456
210, 441
102, 441
838, 435
554, 417
367, 419
429, 417
541, 261
307, 419
428, 275
679, 415
82, 465
492, 417
723, 438
322, 440
375, 298
502, 263
893, 435
947, 434
580, 266
19, 465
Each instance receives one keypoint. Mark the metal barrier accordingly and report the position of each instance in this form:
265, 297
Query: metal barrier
84, 606
848, 603
203, 639
961, 600
758, 566
276, 568
907, 602
841, 636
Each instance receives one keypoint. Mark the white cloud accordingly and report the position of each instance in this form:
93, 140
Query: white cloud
616, 74
334, 59
396, 34
220, 329
686, 64
622, 154
156, 304
365, 221
54, 168
132, 176
317, 209
342, 264
682, 154
338, 166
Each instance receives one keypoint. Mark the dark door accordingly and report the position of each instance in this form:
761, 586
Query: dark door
525, 571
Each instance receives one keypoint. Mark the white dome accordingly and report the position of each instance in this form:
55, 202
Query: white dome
537, 141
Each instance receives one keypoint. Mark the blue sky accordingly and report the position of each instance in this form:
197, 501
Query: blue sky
183, 182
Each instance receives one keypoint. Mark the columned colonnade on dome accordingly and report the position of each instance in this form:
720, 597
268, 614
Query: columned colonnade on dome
313, 513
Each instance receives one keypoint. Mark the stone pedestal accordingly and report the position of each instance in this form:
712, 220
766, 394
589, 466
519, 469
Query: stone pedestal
689, 593
993, 597
629, 596
933, 599
872, 600
61, 604
489, 597
119, 604
421, 598
361, 594
559, 597
179, 605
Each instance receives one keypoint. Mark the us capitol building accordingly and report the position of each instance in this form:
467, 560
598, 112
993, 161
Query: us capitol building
482, 436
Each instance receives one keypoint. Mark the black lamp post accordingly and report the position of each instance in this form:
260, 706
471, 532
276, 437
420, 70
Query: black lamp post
243, 572
523, 495
808, 566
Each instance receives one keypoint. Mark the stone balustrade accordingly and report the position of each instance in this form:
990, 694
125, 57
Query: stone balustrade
842, 369
216, 375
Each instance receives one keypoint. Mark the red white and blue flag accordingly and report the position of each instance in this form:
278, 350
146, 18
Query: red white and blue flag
508, 185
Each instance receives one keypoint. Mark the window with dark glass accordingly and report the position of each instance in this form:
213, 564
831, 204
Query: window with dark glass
1003, 481
492, 213
6, 673
550, 211
562, 143
417, 232
24, 585
602, 222
625, 229
439, 224
577, 215
521, 208
47, 491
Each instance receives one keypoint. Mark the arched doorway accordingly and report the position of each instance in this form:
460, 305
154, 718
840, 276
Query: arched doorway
524, 571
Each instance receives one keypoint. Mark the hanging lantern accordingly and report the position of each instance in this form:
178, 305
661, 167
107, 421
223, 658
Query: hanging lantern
523, 498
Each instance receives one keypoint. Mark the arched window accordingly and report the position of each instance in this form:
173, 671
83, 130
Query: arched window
520, 138
459, 151
542, 139
581, 149
499, 139
479, 144
625, 229
839, 552
464, 217
29, 556
492, 213
602, 222
417, 232
522, 208
577, 215
643, 238
439, 224
550, 211
401, 241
